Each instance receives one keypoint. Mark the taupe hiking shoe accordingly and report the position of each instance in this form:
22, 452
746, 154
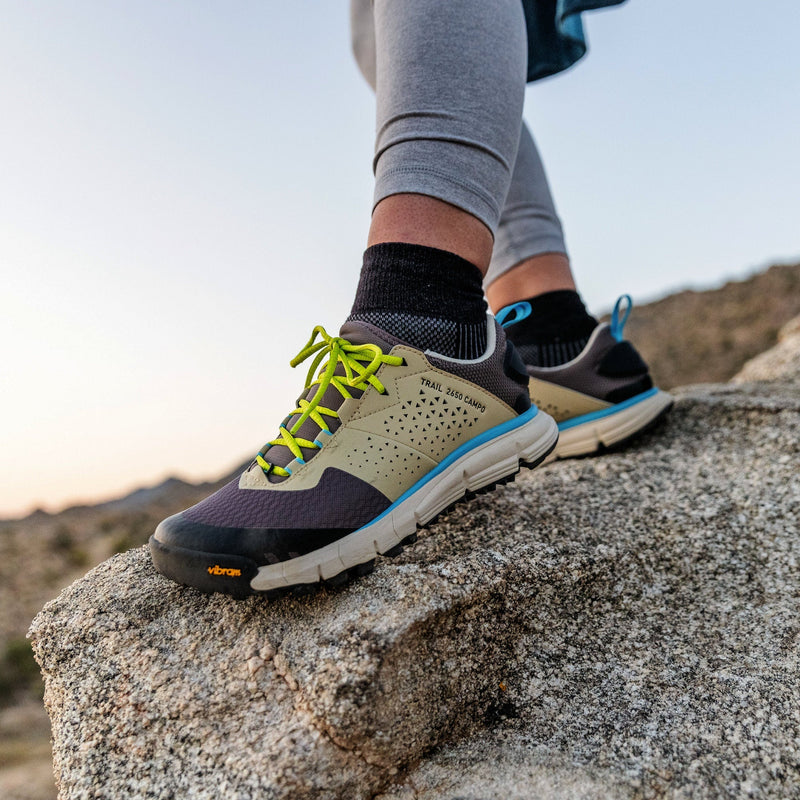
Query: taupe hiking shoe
383, 439
604, 396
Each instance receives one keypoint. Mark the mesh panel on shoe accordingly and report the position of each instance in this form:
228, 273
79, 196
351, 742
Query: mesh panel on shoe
339, 500
489, 373
585, 375
551, 354
454, 339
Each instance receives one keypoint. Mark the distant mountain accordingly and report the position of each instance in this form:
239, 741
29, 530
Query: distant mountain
706, 336
141, 498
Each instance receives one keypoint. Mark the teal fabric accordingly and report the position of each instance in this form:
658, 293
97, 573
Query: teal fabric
555, 33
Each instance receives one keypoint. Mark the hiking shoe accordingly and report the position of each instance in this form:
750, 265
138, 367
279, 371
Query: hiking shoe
601, 398
384, 438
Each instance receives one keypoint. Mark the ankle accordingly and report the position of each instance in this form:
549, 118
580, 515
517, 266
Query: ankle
423, 220
428, 298
540, 274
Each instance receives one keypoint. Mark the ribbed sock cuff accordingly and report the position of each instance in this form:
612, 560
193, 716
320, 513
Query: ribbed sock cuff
419, 280
428, 298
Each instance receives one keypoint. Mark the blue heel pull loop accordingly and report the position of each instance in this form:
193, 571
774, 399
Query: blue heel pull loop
519, 310
617, 324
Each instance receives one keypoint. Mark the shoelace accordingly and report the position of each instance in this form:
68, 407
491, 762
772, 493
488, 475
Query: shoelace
360, 362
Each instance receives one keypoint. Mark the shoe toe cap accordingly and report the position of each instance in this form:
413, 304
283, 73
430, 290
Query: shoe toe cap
260, 545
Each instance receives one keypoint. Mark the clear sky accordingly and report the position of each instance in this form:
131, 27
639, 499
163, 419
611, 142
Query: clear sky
185, 191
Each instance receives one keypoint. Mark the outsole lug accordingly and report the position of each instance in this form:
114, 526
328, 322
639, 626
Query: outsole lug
395, 551
363, 569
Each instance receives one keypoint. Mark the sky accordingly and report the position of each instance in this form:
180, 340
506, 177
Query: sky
185, 191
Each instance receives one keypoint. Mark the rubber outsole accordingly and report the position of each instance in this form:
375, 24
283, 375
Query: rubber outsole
203, 571
614, 431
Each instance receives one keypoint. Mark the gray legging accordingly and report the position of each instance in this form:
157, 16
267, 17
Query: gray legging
449, 79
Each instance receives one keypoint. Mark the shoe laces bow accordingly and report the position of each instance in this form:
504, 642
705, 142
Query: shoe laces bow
359, 364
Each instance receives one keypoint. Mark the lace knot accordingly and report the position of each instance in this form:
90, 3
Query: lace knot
359, 363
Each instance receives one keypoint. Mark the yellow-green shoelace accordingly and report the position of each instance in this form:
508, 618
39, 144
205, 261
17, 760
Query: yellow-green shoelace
360, 361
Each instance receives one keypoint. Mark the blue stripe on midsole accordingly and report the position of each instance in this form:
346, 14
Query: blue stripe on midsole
607, 412
482, 438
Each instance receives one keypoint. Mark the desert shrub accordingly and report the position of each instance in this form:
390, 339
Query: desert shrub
107, 524
137, 528
123, 543
63, 539
78, 557
63, 542
19, 672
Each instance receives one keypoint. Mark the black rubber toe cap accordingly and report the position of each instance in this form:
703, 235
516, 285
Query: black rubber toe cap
259, 545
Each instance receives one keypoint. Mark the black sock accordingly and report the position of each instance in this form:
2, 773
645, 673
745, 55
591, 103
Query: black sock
557, 330
429, 298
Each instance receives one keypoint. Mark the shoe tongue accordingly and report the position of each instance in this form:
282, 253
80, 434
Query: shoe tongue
356, 333
280, 455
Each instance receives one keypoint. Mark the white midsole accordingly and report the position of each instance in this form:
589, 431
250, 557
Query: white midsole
583, 439
477, 468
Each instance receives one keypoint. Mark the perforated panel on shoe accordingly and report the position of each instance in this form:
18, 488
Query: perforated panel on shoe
424, 411
432, 422
562, 403
394, 466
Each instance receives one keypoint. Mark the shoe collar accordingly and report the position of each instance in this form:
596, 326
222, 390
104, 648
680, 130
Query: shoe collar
602, 329
366, 333
491, 344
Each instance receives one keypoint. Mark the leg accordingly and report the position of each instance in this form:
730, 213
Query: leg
449, 106
530, 257
447, 119
595, 384
420, 400
423, 220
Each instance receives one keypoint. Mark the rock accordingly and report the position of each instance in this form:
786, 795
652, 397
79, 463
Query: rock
506, 764
781, 362
624, 626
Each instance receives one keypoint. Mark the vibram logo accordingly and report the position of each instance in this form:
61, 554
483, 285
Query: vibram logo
229, 571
